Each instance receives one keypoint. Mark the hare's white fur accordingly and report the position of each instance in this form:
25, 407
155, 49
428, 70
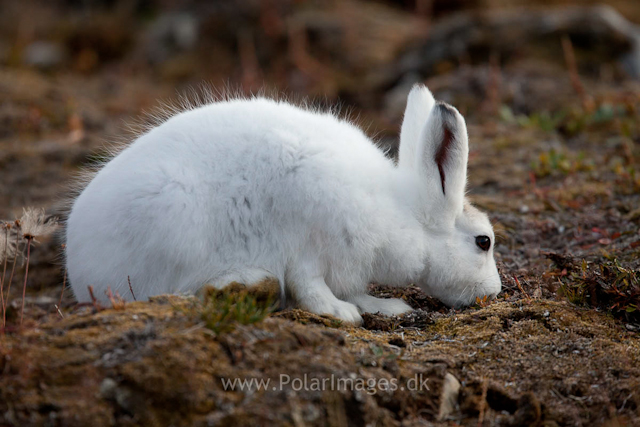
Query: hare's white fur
245, 189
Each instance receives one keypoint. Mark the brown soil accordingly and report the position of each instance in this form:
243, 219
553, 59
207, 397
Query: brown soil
154, 363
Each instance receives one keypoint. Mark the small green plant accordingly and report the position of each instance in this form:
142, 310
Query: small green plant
543, 120
628, 178
223, 309
574, 292
546, 121
570, 121
482, 302
554, 161
608, 285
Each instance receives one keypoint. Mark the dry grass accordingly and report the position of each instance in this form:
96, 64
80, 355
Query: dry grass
32, 224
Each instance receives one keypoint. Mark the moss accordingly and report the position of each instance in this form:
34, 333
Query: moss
221, 310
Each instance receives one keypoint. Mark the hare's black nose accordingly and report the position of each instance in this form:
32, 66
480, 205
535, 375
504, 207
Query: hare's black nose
483, 242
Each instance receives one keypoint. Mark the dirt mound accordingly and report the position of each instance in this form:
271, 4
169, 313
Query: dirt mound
156, 363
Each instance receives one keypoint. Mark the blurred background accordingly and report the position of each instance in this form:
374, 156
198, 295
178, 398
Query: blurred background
549, 89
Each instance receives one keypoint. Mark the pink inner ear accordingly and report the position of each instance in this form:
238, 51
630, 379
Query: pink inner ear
442, 153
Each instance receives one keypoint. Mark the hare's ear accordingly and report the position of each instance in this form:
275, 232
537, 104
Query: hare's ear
443, 154
420, 102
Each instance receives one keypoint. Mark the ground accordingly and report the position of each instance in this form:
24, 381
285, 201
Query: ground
554, 161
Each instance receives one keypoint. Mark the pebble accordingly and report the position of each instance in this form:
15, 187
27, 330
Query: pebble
171, 33
448, 396
43, 54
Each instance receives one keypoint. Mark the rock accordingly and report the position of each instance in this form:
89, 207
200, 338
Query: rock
449, 396
169, 34
529, 412
42, 301
4, 52
456, 36
43, 54
395, 99
398, 342
108, 389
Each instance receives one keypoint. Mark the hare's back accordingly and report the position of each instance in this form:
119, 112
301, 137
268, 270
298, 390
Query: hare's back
230, 146
259, 152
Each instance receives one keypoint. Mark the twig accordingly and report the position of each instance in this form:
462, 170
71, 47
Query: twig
492, 103
64, 283
624, 402
483, 402
131, 288
570, 59
13, 269
248, 61
299, 56
532, 178
424, 8
94, 301
521, 288
270, 19
4, 268
116, 301
26, 274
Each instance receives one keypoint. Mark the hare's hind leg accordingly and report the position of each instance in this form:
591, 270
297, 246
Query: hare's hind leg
388, 306
310, 292
248, 276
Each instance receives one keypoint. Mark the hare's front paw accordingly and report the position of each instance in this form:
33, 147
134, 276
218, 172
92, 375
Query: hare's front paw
342, 310
315, 296
386, 306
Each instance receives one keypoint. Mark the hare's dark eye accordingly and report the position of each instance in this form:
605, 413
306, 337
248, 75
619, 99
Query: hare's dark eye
483, 242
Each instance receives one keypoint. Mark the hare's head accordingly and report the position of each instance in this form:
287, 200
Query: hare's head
434, 149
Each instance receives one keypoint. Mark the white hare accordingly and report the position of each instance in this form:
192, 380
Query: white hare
246, 189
